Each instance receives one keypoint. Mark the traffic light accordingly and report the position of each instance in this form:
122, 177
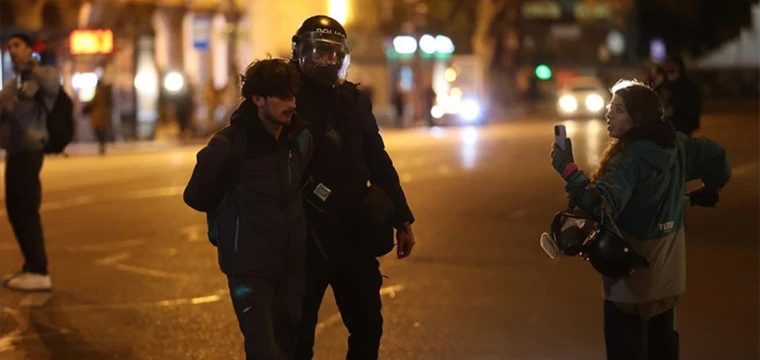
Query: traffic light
543, 72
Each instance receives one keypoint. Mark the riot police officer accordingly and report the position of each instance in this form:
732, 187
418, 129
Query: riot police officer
353, 195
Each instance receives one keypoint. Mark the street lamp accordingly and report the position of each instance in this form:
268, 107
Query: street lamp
407, 45
428, 44
174, 82
444, 45
432, 48
404, 44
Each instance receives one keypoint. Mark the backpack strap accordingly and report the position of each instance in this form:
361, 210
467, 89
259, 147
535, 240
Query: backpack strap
236, 134
41, 101
238, 144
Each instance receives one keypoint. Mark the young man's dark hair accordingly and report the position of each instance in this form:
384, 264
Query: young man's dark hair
26, 39
270, 78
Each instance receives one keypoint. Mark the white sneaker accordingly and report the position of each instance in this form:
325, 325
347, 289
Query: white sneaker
27, 281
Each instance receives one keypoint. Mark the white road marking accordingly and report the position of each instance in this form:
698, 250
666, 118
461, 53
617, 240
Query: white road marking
391, 290
334, 318
86, 200
98, 247
745, 169
150, 272
7, 340
330, 321
20, 315
205, 299
35, 300
153, 193
105, 246
113, 259
518, 214
199, 300
195, 233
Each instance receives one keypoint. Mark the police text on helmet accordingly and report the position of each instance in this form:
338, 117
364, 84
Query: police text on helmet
329, 31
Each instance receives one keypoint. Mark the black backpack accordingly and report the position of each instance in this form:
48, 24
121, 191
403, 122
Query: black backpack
60, 123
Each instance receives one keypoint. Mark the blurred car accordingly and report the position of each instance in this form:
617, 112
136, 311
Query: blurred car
460, 95
452, 108
582, 97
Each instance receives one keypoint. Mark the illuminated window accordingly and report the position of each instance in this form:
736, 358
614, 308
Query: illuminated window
82, 42
339, 10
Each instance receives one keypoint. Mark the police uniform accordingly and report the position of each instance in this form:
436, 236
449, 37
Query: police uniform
353, 194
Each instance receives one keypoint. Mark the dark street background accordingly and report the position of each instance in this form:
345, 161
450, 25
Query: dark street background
135, 278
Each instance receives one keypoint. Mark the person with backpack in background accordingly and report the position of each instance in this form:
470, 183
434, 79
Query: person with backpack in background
248, 182
25, 101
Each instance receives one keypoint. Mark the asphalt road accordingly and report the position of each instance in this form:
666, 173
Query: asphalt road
135, 278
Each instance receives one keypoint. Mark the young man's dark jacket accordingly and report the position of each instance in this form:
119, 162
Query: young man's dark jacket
260, 223
349, 152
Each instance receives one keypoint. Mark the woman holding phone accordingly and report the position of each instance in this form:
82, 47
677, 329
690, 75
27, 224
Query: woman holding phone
640, 183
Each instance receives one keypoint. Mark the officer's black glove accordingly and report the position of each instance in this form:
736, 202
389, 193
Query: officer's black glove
704, 196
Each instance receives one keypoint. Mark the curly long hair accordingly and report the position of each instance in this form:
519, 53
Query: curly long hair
645, 109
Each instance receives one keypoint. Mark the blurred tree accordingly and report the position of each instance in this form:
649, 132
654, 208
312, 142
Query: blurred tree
697, 29
620, 9
692, 27
479, 27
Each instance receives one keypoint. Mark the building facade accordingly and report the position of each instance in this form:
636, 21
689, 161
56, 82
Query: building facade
208, 43
203, 41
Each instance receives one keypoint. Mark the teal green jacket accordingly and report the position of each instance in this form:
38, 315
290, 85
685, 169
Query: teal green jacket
643, 185
642, 188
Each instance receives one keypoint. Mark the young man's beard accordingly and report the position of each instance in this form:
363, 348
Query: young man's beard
274, 119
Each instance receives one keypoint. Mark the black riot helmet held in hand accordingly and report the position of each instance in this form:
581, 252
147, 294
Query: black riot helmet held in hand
575, 232
322, 50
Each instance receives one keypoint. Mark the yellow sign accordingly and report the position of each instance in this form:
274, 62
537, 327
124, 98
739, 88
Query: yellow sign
88, 42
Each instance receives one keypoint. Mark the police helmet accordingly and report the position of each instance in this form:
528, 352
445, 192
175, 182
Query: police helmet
610, 255
574, 232
322, 50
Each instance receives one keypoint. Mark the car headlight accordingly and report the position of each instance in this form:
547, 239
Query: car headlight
437, 111
470, 110
594, 102
568, 103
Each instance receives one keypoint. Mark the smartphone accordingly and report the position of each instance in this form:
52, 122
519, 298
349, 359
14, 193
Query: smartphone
560, 136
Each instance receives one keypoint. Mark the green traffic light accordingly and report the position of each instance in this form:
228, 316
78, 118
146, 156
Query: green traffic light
543, 72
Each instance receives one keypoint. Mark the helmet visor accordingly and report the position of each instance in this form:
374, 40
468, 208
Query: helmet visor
324, 57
